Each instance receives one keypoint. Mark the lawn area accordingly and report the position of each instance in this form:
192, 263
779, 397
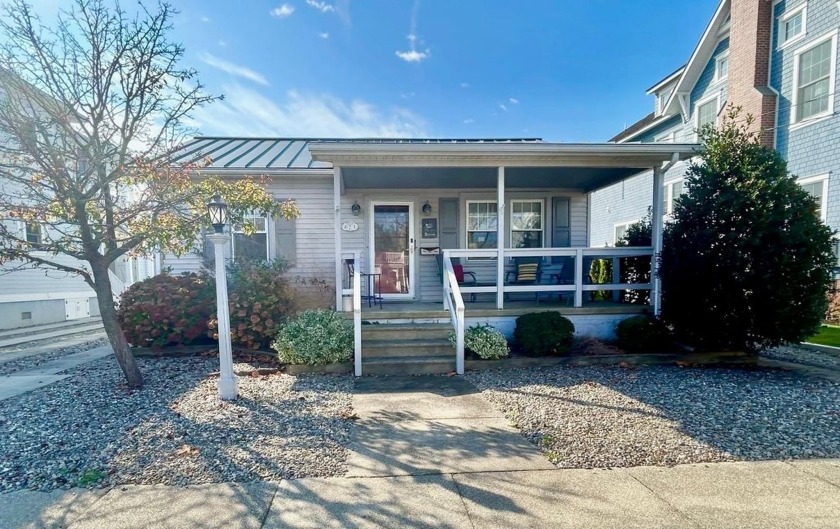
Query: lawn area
828, 335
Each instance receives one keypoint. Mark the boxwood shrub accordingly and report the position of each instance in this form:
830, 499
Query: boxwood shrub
168, 310
484, 341
544, 334
643, 334
315, 337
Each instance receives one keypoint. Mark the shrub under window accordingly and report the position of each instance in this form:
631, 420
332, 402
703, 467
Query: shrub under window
485, 341
544, 333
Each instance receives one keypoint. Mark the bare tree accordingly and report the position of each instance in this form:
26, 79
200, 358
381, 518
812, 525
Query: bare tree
90, 108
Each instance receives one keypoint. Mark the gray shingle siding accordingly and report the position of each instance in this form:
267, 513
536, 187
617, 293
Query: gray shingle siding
812, 149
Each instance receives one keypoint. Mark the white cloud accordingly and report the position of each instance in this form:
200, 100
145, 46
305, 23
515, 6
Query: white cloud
205, 19
323, 7
468, 121
413, 55
503, 107
246, 112
465, 85
223, 44
283, 11
406, 95
324, 35
513, 101
233, 69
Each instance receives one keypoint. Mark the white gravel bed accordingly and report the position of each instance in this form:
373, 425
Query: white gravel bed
90, 430
800, 355
601, 417
28, 362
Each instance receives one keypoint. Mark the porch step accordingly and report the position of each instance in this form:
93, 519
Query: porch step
419, 348
409, 365
406, 331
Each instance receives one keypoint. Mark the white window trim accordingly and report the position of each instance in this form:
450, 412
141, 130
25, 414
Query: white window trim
784, 17
723, 55
700, 103
625, 224
820, 178
542, 220
669, 196
832, 36
467, 230
268, 236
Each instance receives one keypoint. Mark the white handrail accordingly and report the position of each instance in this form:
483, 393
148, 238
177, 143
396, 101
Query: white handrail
117, 285
357, 318
455, 303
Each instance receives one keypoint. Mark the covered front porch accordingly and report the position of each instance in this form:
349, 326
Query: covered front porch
487, 224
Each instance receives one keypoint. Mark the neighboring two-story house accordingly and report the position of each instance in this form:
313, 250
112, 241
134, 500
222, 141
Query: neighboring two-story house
778, 61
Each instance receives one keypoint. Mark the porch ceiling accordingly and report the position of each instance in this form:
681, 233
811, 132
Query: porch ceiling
527, 165
584, 178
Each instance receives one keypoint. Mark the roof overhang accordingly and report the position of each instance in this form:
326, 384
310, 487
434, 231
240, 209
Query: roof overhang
665, 82
583, 166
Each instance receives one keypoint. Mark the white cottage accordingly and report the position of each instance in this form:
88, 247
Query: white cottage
438, 234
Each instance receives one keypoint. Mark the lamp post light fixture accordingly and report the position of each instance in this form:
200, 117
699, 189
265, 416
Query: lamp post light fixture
218, 216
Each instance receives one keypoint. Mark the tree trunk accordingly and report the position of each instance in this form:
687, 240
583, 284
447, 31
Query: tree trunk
105, 299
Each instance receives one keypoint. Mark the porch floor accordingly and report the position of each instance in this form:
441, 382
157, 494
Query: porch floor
406, 309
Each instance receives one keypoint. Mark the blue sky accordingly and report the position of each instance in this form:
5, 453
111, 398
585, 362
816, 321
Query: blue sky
561, 70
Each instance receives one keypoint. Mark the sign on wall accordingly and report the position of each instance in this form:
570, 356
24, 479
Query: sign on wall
429, 228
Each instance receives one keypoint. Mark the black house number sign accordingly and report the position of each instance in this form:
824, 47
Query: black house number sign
429, 228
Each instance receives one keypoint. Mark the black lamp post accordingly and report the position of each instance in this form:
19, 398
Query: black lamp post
218, 213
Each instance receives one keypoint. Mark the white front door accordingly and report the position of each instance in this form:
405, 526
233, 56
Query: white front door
392, 248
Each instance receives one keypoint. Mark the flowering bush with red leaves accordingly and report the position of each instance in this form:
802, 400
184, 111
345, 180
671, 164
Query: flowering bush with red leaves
260, 299
168, 310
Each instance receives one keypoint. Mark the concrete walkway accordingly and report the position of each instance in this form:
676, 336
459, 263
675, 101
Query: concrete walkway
431, 452
45, 374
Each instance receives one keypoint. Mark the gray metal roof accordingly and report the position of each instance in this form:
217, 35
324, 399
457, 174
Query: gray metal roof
291, 153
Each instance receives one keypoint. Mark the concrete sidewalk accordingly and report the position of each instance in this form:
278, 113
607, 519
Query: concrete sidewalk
45, 374
765, 495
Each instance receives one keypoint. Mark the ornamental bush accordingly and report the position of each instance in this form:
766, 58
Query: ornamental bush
167, 310
643, 334
544, 333
485, 341
315, 337
261, 299
636, 269
747, 262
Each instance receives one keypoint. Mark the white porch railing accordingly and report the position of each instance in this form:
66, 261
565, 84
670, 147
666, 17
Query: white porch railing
356, 293
454, 302
118, 286
452, 292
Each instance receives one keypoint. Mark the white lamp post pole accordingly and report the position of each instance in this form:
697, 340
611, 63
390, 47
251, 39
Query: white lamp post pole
217, 210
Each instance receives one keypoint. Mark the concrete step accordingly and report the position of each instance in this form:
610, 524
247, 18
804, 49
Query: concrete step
91, 329
38, 329
409, 365
407, 331
406, 348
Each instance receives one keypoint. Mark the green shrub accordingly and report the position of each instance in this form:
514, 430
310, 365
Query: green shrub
544, 333
600, 272
747, 262
167, 310
636, 269
484, 341
643, 334
261, 299
315, 337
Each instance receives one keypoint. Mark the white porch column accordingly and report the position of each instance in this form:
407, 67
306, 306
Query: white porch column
500, 239
656, 239
337, 230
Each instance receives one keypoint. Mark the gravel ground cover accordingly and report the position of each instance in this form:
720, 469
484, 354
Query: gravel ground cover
27, 362
90, 430
791, 353
594, 417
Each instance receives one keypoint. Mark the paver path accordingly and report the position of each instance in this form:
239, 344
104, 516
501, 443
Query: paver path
418, 425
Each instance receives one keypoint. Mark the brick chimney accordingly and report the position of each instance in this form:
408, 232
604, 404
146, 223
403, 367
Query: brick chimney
750, 40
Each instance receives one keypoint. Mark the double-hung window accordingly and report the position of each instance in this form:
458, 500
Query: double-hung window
33, 233
817, 187
707, 113
791, 26
673, 190
620, 230
813, 95
527, 224
251, 246
482, 224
